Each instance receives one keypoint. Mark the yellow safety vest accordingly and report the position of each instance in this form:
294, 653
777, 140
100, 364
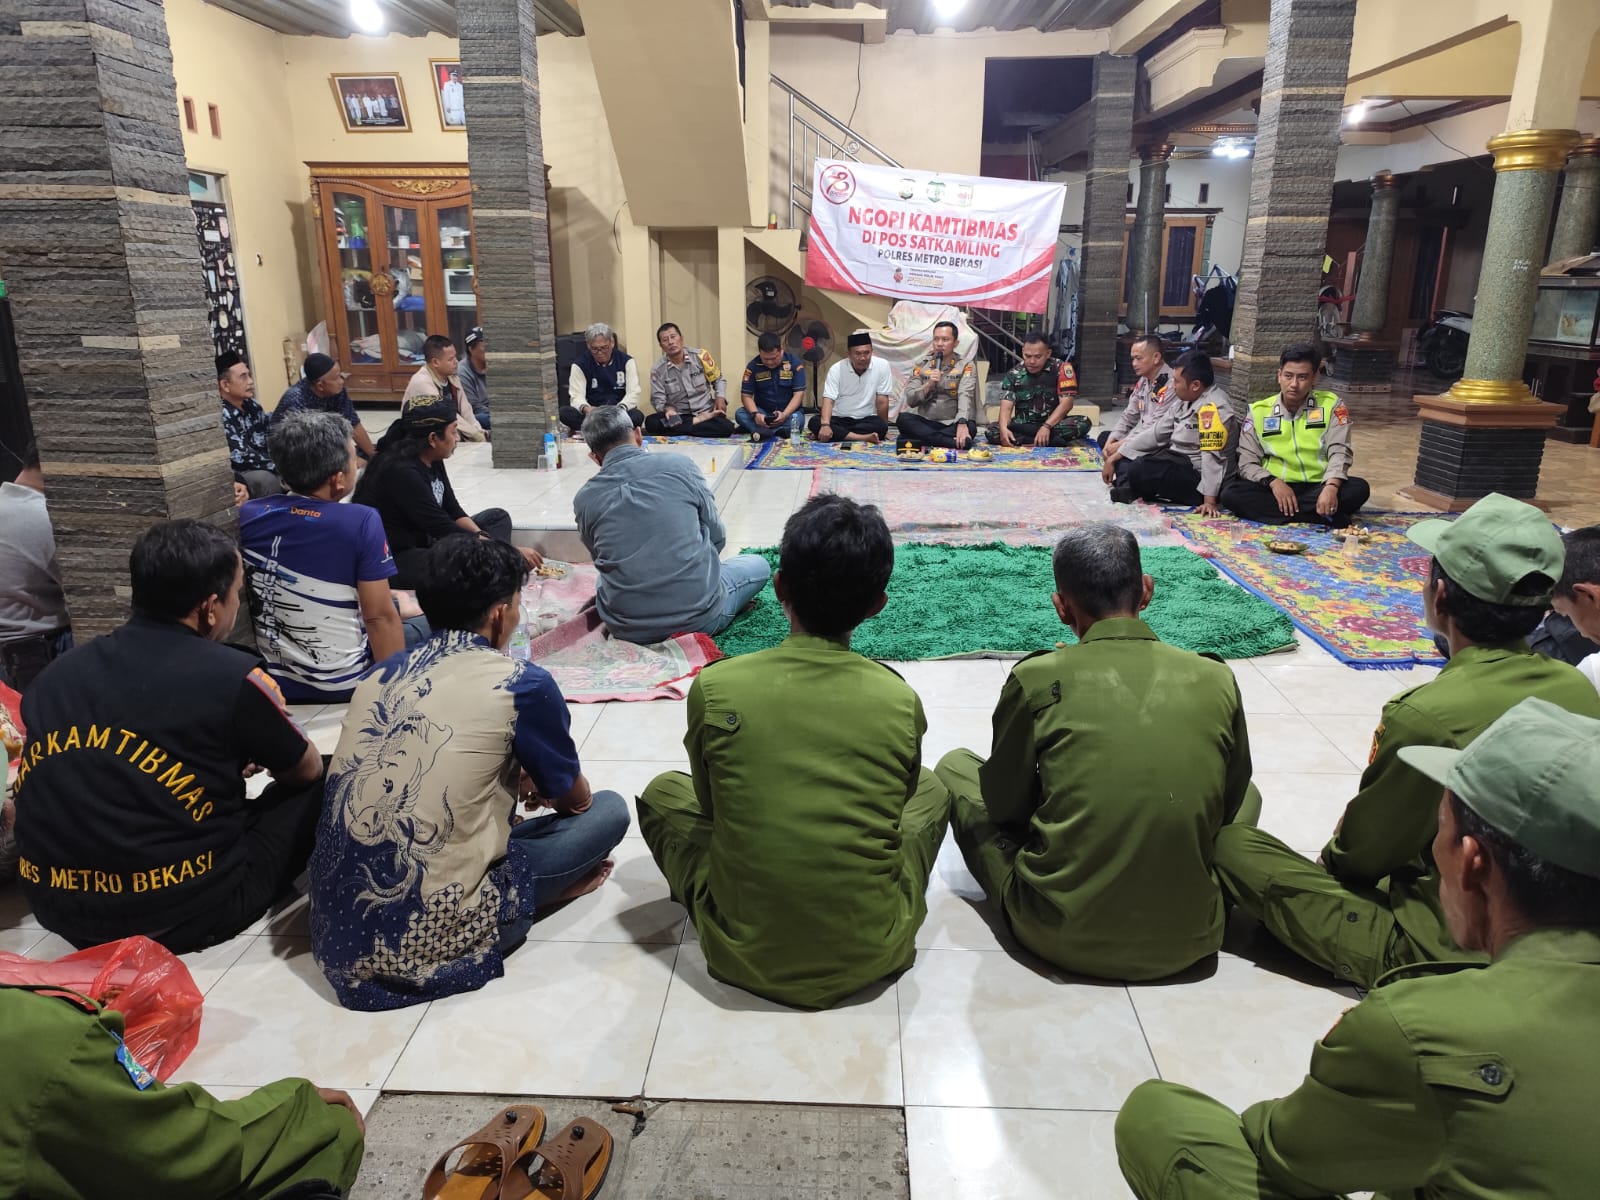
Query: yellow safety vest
1293, 446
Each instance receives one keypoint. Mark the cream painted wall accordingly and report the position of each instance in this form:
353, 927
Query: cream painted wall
921, 98
238, 66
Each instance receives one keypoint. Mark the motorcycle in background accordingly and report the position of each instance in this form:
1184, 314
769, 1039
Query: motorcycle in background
1442, 343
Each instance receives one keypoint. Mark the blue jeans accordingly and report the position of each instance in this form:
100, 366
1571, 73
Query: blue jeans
548, 854
747, 422
482, 417
743, 576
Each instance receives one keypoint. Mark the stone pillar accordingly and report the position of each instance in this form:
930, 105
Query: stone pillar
510, 221
1291, 187
1578, 218
1144, 243
1105, 201
1487, 433
1365, 361
97, 247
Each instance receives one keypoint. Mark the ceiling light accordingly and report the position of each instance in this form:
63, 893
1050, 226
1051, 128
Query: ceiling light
948, 10
1357, 113
367, 16
1231, 147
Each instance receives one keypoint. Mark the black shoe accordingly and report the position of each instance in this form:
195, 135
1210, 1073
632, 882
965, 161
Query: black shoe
1121, 494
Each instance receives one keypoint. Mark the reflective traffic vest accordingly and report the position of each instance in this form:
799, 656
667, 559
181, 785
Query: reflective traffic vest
1292, 446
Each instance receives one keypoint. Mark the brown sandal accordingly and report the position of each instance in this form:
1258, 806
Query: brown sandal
574, 1163
489, 1167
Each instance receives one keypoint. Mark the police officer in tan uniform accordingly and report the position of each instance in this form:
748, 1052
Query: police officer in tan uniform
1448, 1080
939, 405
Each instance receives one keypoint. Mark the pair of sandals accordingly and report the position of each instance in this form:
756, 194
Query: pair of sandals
509, 1160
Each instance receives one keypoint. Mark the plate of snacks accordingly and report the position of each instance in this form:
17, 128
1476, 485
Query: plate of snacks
979, 454
551, 569
1279, 546
1353, 533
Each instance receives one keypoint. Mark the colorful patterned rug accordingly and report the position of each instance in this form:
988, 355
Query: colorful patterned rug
570, 642
994, 601
782, 454
1020, 510
1364, 605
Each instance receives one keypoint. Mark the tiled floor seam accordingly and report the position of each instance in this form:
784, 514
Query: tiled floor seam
661, 1016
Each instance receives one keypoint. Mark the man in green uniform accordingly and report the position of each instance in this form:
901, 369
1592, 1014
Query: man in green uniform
1294, 452
1036, 398
1447, 1080
803, 857
81, 1120
1098, 851
1371, 902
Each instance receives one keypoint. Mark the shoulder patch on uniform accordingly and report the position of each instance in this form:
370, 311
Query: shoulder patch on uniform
1341, 414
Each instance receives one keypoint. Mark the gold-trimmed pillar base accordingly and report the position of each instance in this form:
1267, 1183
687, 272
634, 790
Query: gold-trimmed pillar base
1470, 448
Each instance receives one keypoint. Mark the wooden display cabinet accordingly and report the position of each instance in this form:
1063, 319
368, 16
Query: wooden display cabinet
396, 251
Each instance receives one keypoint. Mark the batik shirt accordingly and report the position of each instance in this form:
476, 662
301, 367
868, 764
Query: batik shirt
409, 881
246, 427
1034, 397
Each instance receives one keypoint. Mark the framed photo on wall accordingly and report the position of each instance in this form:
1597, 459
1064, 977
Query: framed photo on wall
448, 92
371, 103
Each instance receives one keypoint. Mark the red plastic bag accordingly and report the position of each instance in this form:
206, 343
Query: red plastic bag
143, 980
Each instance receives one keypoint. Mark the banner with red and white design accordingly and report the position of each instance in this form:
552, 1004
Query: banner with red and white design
922, 235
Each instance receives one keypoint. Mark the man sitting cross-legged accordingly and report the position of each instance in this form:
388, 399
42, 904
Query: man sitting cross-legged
1445, 1082
132, 816
1187, 455
424, 877
318, 570
804, 869
1371, 901
1097, 849
855, 396
940, 404
651, 527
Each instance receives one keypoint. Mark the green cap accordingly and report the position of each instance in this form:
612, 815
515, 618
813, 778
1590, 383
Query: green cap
1535, 776
1495, 545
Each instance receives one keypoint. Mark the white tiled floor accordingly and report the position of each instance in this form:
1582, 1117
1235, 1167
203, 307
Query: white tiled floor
1010, 1074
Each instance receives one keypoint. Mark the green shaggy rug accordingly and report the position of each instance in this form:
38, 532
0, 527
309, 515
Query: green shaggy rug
953, 601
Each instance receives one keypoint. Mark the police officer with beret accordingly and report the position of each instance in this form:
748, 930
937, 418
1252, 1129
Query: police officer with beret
1448, 1080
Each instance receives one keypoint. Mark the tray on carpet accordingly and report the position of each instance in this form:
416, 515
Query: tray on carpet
1020, 510
1363, 606
783, 454
949, 601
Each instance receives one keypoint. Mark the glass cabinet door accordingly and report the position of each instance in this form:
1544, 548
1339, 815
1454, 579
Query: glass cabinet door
460, 271
352, 241
408, 283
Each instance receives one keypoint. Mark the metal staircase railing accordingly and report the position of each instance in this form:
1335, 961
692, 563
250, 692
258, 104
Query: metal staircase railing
816, 133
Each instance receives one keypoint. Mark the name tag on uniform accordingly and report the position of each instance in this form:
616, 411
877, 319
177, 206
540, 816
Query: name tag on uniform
1213, 434
786, 372
1272, 425
1316, 418
763, 376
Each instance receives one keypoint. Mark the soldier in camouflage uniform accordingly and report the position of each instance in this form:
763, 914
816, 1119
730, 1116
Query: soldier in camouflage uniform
1036, 398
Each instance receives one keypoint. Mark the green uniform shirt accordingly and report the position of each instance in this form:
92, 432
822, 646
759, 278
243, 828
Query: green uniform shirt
1388, 828
1034, 397
1122, 757
804, 757
1476, 1083
73, 1125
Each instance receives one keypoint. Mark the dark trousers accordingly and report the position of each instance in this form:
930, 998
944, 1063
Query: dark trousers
23, 658
496, 522
843, 427
718, 426
280, 829
1255, 502
1165, 477
260, 483
1023, 432
572, 417
924, 432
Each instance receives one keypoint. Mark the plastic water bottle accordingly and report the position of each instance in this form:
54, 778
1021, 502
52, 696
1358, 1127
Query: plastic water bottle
797, 425
551, 449
521, 635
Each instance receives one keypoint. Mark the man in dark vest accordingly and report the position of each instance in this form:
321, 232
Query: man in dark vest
602, 374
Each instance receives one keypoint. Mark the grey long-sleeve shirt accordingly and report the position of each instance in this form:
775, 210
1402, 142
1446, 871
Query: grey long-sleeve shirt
651, 526
1178, 429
